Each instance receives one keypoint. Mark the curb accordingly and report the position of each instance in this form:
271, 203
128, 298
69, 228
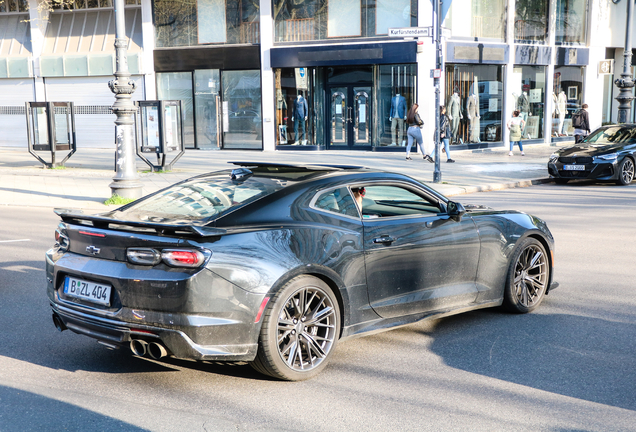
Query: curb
499, 186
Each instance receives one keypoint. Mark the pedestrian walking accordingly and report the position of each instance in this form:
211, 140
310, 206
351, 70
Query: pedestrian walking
515, 126
444, 133
415, 133
581, 123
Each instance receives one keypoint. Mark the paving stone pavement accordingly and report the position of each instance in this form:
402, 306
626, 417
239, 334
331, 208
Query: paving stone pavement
84, 182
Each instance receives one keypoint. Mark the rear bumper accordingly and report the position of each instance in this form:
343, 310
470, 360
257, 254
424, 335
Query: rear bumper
198, 316
114, 332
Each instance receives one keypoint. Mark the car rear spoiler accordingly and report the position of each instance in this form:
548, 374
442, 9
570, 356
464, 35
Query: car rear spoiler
102, 222
308, 167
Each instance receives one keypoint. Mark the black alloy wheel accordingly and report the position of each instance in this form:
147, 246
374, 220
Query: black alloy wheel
300, 330
625, 172
528, 277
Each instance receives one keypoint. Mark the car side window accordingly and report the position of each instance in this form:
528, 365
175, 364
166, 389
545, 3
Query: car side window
391, 200
337, 201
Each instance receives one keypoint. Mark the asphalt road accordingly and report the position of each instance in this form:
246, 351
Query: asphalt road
569, 366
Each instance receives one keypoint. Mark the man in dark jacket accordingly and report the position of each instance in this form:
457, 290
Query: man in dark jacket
582, 129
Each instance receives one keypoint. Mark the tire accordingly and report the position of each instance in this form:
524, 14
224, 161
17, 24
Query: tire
301, 327
528, 277
561, 181
625, 172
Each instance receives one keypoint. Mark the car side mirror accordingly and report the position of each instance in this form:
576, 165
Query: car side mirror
455, 210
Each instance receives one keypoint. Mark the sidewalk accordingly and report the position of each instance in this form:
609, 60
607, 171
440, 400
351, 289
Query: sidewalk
84, 183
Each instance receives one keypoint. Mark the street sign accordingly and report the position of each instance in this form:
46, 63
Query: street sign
606, 67
436, 73
410, 32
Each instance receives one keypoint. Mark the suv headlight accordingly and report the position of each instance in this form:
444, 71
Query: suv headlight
606, 158
554, 157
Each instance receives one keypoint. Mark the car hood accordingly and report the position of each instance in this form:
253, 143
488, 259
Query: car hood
591, 149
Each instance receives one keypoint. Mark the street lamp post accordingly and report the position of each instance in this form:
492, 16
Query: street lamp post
437, 173
625, 83
126, 182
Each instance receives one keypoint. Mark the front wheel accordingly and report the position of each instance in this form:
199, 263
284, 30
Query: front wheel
528, 277
300, 330
625, 172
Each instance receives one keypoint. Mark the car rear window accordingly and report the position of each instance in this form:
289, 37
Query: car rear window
613, 135
200, 199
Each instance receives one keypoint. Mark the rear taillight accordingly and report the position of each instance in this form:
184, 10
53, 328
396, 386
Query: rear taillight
144, 256
191, 258
183, 257
61, 240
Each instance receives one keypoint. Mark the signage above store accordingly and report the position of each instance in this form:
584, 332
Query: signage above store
606, 67
410, 32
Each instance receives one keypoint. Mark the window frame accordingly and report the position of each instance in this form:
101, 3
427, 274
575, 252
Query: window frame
322, 192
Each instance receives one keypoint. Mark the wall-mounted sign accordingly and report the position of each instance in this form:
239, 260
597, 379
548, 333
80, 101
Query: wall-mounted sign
606, 67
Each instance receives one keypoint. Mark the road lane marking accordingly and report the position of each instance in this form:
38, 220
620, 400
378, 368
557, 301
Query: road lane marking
13, 241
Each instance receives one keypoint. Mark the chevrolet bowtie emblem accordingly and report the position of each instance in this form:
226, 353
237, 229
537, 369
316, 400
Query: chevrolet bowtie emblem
92, 250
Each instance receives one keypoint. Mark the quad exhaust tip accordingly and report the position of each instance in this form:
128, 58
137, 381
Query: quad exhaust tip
58, 323
142, 348
156, 350
139, 347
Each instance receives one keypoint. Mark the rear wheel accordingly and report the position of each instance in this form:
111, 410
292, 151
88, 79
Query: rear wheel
561, 181
625, 172
528, 277
300, 330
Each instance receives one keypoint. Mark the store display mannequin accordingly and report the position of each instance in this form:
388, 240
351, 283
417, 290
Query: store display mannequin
454, 112
299, 116
555, 110
562, 100
397, 115
472, 112
523, 106
281, 114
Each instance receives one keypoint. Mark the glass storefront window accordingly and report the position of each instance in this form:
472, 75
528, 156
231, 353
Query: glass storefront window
294, 106
571, 16
178, 86
179, 23
567, 92
480, 19
241, 108
207, 108
394, 95
531, 20
526, 90
474, 96
324, 19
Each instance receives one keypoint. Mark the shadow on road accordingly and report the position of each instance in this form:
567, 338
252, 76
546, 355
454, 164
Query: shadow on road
586, 358
40, 413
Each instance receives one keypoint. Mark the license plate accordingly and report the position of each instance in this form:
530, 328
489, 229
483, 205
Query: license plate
574, 167
90, 291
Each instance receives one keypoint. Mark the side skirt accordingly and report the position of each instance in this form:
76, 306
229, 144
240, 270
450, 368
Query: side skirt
377, 326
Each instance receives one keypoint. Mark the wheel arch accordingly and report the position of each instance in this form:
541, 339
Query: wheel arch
541, 239
326, 275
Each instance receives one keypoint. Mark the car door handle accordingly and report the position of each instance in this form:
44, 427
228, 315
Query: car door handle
384, 240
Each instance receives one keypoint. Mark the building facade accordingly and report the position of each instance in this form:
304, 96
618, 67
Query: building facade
317, 74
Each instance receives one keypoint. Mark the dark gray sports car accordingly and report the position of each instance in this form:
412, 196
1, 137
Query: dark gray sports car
607, 154
274, 264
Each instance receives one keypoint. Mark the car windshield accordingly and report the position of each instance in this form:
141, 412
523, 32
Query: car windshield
613, 135
200, 199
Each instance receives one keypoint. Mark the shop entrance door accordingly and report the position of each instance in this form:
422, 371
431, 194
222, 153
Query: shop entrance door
350, 117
